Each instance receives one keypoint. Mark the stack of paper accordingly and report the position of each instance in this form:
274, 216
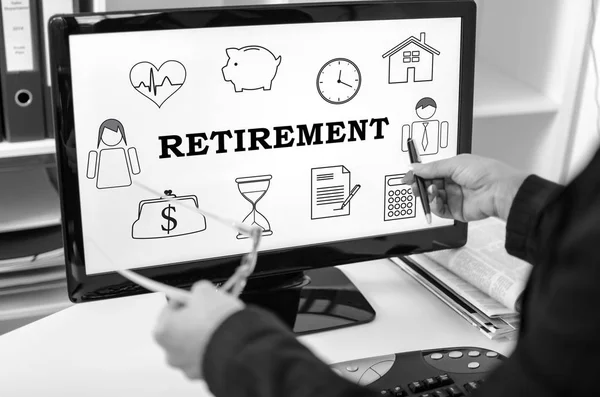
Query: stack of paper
33, 286
29, 205
479, 281
32, 266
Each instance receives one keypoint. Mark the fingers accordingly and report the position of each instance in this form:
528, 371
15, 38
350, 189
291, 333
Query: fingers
440, 169
161, 329
203, 286
437, 202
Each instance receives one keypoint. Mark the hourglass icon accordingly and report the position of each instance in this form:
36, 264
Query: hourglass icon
253, 188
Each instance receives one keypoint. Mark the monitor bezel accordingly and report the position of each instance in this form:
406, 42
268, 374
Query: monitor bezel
83, 287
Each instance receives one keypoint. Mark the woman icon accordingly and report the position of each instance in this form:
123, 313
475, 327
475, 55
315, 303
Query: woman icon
112, 166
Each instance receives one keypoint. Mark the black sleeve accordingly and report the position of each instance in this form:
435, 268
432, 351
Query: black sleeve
253, 354
529, 217
558, 229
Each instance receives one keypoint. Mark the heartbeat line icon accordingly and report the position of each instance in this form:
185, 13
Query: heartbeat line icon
152, 87
144, 77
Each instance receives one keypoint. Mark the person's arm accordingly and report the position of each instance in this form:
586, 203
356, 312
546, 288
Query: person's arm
406, 133
559, 229
253, 354
529, 215
444, 127
91, 165
134, 162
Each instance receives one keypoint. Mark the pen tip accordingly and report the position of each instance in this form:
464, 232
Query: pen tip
428, 217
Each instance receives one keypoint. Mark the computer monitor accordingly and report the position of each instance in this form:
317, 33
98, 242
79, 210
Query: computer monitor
290, 117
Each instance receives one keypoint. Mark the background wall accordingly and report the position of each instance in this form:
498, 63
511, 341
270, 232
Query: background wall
586, 138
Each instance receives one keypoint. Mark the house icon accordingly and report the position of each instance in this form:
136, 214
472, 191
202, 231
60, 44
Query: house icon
411, 60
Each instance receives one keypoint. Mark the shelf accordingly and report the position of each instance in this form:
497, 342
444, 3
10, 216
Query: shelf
29, 201
498, 94
24, 149
41, 302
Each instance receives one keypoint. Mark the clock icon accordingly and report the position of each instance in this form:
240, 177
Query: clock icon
338, 81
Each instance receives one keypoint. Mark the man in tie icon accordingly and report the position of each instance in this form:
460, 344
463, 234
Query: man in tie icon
429, 135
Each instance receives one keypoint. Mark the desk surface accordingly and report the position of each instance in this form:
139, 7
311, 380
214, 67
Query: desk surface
102, 349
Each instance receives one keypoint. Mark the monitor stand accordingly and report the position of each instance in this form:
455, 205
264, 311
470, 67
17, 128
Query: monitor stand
312, 301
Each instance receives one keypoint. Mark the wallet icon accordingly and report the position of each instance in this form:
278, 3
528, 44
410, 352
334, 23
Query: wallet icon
168, 216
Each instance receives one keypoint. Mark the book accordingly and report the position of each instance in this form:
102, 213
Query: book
480, 280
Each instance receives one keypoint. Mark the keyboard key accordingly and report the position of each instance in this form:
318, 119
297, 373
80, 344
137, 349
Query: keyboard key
386, 393
454, 391
439, 393
473, 365
352, 368
455, 354
436, 356
445, 380
431, 383
399, 392
469, 387
416, 386
474, 353
491, 354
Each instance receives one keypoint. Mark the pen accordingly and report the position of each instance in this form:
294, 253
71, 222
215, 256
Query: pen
352, 193
414, 158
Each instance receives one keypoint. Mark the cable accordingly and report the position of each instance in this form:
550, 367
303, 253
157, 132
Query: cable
595, 66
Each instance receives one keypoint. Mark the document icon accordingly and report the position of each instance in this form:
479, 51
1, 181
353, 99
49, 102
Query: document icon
330, 192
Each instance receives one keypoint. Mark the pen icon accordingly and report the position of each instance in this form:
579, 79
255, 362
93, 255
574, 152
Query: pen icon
352, 193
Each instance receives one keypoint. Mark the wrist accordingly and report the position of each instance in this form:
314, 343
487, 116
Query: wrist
505, 194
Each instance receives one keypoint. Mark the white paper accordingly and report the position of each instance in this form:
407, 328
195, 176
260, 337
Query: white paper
38, 276
44, 260
482, 301
28, 201
16, 20
330, 187
484, 264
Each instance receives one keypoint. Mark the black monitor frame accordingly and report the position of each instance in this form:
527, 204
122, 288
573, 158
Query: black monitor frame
83, 287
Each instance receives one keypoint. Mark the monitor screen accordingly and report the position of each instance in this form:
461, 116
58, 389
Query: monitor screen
299, 128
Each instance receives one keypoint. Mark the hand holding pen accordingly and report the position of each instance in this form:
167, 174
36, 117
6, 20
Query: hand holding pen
467, 187
414, 158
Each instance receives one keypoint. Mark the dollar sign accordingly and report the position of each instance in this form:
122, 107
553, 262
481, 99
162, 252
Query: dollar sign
166, 213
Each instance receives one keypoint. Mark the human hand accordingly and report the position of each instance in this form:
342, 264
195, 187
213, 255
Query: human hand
184, 331
468, 187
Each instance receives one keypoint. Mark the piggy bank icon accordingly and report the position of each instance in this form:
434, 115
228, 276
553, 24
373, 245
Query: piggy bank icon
250, 68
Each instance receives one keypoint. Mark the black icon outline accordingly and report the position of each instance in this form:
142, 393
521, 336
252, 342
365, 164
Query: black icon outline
168, 193
264, 87
331, 195
412, 56
442, 134
130, 156
358, 78
267, 231
396, 193
151, 83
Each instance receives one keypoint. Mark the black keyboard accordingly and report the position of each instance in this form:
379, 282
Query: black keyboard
448, 372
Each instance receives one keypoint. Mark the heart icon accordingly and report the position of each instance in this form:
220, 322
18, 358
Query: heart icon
157, 84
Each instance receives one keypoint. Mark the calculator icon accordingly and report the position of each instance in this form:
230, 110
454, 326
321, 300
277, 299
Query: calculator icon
399, 202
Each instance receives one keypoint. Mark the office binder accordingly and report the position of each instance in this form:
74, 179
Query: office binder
1, 117
46, 9
21, 72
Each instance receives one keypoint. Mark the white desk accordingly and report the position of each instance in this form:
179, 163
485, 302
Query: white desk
106, 348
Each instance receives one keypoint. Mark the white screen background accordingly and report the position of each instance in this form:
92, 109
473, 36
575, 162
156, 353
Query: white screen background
102, 90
